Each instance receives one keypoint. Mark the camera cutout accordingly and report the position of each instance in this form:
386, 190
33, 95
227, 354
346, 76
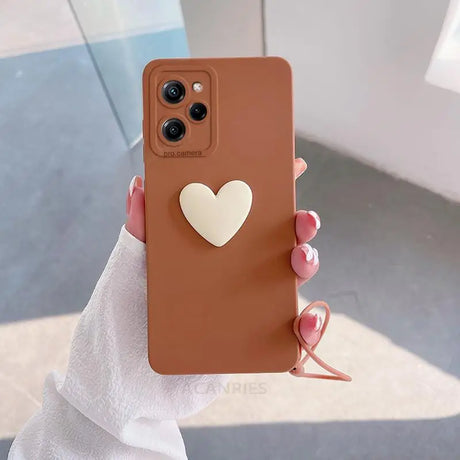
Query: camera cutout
173, 130
185, 121
173, 91
198, 111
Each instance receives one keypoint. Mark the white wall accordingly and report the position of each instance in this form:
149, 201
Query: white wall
217, 28
359, 70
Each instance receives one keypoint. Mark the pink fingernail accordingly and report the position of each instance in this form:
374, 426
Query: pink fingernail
304, 163
319, 322
308, 328
315, 257
131, 186
308, 251
136, 181
316, 217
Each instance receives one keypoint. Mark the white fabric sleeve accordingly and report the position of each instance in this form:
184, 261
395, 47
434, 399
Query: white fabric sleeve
111, 404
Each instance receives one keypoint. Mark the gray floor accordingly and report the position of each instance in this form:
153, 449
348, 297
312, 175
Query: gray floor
62, 157
376, 440
390, 254
389, 251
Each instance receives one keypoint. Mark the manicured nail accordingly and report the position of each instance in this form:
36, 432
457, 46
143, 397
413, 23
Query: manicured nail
317, 219
300, 162
308, 251
309, 329
319, 322
136, 181
131, 185
315, 256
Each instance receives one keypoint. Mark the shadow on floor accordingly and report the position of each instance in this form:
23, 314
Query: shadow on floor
408, 439
5, 445
389, 254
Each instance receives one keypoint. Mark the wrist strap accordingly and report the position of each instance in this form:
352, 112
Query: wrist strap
299, 369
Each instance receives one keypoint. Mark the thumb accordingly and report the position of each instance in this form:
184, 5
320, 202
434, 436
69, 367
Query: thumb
135, 209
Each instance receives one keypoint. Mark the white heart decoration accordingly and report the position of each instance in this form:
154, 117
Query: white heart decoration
217, 218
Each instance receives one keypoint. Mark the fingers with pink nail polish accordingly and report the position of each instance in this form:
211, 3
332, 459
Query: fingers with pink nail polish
136, 181
135, 222
299, 167
305, 262
308, 251
307, 224
315, 257
311, 254
316, 219
310, 328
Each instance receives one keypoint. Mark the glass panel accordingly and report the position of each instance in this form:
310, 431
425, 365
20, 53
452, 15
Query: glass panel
122, 36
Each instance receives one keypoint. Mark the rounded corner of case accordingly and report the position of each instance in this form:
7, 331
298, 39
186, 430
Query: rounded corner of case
154, 366
292, 364
151, 66
148, 69
282, 62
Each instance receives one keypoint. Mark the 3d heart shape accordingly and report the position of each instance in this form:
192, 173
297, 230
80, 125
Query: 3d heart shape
217, 218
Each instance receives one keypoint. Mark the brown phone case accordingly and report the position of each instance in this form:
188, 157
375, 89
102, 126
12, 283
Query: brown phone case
226, 309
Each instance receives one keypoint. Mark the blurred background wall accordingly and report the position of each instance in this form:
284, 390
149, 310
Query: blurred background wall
223, 28
359, 71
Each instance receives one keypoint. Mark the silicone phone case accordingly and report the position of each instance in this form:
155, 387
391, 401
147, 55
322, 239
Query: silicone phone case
227, 309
